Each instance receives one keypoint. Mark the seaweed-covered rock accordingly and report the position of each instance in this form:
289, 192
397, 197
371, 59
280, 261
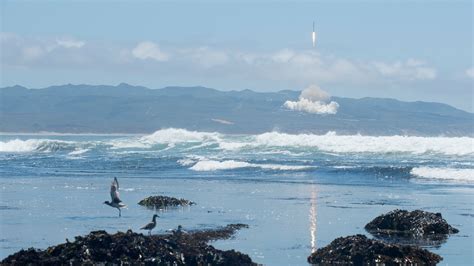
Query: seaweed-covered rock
129, 248
359, 250
162, 202
415, 227
220, 233
416, 222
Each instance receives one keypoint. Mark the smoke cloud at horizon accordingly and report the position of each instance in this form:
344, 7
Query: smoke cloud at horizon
313, 100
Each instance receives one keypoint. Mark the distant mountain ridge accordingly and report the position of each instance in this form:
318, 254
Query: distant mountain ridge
134, 109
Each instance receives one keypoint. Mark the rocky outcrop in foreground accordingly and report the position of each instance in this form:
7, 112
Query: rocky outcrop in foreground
359, 250
162, 202
399, 225
129, 248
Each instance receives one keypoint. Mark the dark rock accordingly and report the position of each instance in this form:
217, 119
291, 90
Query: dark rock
359, 250
162, 202
129, 248
221, 233
415, 227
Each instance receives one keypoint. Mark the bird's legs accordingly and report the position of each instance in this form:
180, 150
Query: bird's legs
149, 232
120, 212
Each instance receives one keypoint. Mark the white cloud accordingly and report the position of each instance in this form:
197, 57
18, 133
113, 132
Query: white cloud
287, 68
32, 52
70, 43
283, 56
313, 100
149, 50
300, 67
470, 72
414, 63
206, 57
409, 70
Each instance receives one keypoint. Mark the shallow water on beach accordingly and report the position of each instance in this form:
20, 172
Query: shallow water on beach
296, 192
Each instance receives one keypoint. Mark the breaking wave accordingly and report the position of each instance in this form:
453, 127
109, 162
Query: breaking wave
330, 142
369, 144
36, 145
170, 137
296, 144
211, 165
444, 173
78, 151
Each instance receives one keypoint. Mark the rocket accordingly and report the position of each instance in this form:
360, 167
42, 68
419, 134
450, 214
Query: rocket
314, 36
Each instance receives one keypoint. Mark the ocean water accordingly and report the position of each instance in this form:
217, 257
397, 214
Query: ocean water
296, 192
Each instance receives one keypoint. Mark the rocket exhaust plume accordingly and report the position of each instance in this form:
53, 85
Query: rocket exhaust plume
314, 36
313, 100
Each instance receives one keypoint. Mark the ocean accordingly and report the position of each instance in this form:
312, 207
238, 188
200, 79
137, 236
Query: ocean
296, 192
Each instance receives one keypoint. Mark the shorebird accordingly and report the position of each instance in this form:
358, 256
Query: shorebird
150, 225
114, 194
179, 231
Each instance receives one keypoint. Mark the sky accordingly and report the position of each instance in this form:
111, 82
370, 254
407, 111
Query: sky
408, 50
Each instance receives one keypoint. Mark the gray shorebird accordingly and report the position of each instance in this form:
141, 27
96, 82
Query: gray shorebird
179, 231
114, 194
151, 225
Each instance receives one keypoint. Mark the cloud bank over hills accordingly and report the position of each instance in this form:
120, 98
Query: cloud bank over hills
304, 66
62, 59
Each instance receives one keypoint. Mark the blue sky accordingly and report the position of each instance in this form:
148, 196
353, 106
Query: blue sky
410, 50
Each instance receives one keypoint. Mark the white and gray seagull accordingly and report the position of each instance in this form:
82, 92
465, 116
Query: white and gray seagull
114, 194
151, 225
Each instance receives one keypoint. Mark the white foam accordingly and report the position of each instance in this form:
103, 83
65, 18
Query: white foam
170, 136
31, 145
329, 143
343, 167
381, 144
444, 173
186, 161
173, 135
78, 152
283, 152
211, 165
127, 143
233, 145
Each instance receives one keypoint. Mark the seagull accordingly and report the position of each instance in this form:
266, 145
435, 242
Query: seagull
179, 231
150, 225
114, 194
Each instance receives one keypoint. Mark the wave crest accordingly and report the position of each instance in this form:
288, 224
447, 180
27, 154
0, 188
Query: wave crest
176, 135
370, 144
186, 140
444, 173
38, 145
169, 136
211, 165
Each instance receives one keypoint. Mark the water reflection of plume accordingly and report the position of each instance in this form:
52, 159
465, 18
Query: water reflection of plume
313, 218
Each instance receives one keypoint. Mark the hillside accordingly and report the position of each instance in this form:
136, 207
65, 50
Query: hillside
132, 109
